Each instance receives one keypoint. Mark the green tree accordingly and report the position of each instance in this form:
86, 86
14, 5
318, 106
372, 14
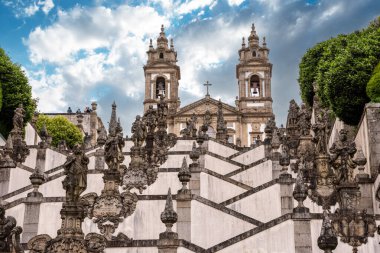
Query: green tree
308, 73
342, 67
14, 90
60, 128
373, 86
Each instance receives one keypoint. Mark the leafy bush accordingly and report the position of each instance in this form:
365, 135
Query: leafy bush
373, 86
60, 128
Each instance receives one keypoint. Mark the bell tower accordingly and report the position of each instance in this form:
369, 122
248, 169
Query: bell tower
162, 74
254, 72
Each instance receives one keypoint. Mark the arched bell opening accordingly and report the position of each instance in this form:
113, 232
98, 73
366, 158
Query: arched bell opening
254, 86
160, 87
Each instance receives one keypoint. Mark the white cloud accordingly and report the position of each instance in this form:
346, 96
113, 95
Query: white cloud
94, 50
198, 53
235, 2
88, 29
31, 10
46, 5
192, 5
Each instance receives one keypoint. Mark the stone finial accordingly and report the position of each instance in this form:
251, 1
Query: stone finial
162, 41
360, 160
300, 193
113, 120
264, 42
184, 176
221, 128
194, 154
150, 44
243, 43
171, 43
276, 139
69, 110
327, 240
169, 216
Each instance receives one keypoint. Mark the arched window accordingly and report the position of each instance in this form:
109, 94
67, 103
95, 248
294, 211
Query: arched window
160, 87
254, 53
254, 86
161, 55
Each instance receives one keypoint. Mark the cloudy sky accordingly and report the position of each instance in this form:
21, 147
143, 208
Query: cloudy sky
75, 52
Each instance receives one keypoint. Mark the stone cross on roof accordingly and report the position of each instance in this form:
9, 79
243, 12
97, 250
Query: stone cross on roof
207, 84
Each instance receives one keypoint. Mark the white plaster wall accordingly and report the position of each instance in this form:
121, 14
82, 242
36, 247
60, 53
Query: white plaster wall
2, 140
183, 145
210, 226
18, 213
162, 184
94, 183
91, 164
251, 156
145, 222
277, 239
362, 141
175, 161
372, 245
133, 250
376, 204
219, 166
30, 135
338, 125
30, 160
50, 219
184, 250
218, 190
219, 149
127, 146
53, 188
19, 178
264, 205
18, 196
53, 159
257, 175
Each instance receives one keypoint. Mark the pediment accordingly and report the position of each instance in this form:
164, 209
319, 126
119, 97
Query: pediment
201, 106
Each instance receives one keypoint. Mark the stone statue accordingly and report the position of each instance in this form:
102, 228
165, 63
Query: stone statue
304, 124
18, 118
139, 132
9, 234
75, 169
150, 118
342, 152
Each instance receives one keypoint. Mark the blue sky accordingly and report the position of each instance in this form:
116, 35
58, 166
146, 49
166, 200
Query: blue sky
75, 52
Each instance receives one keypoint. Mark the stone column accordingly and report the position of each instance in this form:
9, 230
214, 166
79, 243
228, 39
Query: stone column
184, 198
302, 234
31, 217
286, 191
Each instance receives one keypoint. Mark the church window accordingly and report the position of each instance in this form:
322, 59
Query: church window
160, 87
161, 55
254, 54
254, 86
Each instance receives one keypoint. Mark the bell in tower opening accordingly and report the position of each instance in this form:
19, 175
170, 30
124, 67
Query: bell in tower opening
160, 87
255, 86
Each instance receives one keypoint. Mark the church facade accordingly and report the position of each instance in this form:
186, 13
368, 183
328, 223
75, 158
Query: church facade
245, 120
